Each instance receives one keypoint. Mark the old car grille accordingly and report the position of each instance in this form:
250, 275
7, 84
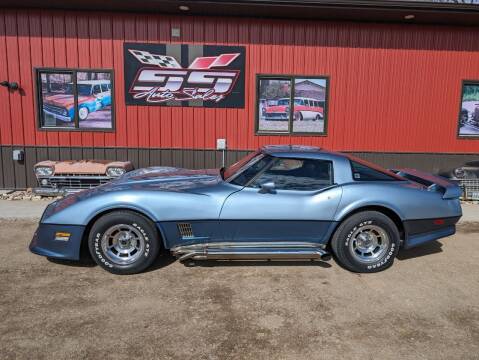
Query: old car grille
276, 115
75, 181
55, 109
470, 189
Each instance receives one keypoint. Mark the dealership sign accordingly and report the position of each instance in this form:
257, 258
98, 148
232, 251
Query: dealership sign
184, 75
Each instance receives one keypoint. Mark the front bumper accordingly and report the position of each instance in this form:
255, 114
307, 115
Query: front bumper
58, 116
276, 116
44, 243
54, 191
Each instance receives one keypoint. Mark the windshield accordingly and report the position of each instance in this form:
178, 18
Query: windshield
237, 166
298, 102
84, 89
283, 102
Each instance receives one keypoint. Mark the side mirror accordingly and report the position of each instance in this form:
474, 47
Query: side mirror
267, 188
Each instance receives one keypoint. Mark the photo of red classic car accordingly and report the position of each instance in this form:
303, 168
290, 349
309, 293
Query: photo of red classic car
304, 109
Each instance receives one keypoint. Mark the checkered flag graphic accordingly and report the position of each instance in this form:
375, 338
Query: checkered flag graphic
163, 61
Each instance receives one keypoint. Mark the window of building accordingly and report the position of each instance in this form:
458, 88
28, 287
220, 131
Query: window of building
71, 99
297, 174
291, 105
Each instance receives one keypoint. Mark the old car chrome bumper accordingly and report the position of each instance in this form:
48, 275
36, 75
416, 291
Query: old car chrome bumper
54, 191
58, 116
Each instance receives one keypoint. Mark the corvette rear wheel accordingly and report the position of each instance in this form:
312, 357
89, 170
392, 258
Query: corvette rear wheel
366, 242
123, 242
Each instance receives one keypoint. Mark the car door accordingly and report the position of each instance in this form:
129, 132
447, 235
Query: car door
287, 200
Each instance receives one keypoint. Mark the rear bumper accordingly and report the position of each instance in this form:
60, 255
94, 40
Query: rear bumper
419, 232
43, 242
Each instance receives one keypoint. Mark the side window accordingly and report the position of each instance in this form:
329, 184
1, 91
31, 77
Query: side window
251, 170
96, 89
297, 174
364, 173
104, 87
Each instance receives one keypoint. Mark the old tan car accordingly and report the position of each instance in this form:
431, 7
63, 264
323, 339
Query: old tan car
62, 177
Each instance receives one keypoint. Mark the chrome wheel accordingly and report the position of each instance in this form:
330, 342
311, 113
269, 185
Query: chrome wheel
123, 244
369, 243
83, 113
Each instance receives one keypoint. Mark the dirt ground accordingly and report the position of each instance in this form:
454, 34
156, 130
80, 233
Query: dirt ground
425, 307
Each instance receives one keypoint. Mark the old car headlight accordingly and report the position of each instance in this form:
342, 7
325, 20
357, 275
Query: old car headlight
115, 171
43, 171
459, 172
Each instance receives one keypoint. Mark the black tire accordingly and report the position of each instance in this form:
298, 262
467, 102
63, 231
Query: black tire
299, 116
142, 242
346, 242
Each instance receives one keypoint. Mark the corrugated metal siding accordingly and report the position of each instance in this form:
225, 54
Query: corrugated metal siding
393, 88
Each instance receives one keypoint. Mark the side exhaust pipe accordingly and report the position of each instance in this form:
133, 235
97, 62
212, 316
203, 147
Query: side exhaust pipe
251, 251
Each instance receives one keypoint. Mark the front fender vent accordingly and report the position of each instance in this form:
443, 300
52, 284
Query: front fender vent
185, 230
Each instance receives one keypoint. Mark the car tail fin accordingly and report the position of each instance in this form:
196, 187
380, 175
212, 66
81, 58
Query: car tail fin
449, 189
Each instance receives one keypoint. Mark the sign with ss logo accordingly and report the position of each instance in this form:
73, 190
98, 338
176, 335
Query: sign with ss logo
184, 75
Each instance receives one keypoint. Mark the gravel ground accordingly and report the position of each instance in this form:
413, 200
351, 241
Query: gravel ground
425, 307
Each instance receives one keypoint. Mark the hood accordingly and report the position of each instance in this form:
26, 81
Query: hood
62, 100
166, 179
155, 179
276, 108
65, 100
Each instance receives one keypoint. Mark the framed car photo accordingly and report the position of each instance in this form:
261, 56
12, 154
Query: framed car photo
75, 99
468, 124
291, 104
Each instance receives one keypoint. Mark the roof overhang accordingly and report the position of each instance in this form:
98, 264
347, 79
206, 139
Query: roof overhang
420, 11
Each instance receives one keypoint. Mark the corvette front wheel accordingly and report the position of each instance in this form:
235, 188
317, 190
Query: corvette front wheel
123, 242
366, 242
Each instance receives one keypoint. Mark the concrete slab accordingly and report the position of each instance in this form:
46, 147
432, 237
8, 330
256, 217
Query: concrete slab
470, 212
22, 209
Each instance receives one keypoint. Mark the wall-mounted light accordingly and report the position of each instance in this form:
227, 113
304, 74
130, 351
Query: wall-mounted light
409, 17
10, 85
184, 8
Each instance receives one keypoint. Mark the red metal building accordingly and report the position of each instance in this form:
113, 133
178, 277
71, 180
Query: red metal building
394, 87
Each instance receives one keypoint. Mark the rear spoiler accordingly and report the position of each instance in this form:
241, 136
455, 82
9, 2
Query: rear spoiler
449, 189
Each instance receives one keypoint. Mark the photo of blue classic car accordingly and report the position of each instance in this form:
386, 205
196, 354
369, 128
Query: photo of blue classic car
280, 202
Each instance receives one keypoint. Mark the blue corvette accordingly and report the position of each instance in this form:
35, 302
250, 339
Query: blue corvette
281, 202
